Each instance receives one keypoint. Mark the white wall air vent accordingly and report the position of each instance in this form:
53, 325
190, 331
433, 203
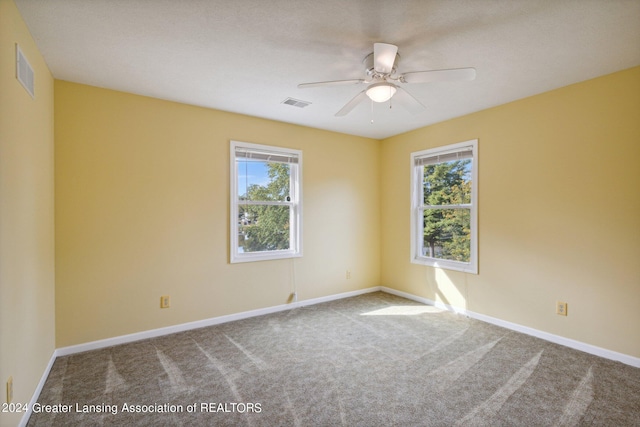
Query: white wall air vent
296, 102
24, 72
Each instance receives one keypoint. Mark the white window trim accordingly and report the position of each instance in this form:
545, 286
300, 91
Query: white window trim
417, 197
295, 191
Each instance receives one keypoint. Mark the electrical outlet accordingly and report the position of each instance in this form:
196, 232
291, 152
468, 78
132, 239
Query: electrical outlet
348, 274
165, 301
561, 308
10, 390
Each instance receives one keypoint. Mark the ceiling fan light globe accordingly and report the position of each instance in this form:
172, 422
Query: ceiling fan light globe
381, 92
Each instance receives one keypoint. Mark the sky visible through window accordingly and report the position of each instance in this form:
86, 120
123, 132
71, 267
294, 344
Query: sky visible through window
251, 172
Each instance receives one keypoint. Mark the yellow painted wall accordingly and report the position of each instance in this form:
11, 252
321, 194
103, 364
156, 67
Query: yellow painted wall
142, 210
26, 216
559, 212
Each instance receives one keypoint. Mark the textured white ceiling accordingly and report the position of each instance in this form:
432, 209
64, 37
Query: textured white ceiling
247, 56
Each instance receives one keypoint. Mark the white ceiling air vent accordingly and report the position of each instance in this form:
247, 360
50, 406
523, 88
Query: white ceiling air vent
296, 102
24, 72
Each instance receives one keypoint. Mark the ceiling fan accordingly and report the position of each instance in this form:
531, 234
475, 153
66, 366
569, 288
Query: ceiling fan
383, 82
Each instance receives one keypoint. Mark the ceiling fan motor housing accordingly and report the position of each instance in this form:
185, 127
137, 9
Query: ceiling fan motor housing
370, 69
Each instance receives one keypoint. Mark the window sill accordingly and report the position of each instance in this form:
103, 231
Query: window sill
465, 267
263, 256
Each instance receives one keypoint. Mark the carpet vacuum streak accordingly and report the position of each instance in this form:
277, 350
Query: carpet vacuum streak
371, 360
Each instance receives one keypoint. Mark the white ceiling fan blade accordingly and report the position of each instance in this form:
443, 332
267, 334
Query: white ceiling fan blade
352, 104
450, 75
384, 55
331, 83
408, 101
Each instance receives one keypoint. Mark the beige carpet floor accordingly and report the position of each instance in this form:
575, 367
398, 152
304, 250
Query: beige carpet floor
371, 360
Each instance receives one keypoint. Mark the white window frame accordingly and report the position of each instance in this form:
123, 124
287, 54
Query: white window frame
417, 208
295, 204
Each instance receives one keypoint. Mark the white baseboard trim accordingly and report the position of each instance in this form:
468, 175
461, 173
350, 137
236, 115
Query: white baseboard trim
94, 345
36, 394
557, 339
123, 339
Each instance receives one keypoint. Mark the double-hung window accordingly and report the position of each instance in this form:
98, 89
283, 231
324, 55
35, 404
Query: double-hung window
266, 208
444, 225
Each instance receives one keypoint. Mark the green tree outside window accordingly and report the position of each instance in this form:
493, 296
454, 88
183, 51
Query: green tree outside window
447, 231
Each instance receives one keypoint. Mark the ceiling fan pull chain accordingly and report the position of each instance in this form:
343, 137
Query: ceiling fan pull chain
372, 111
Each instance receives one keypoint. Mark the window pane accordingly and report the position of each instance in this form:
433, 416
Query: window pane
447, 183
447, 234
263, 181
263, 228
